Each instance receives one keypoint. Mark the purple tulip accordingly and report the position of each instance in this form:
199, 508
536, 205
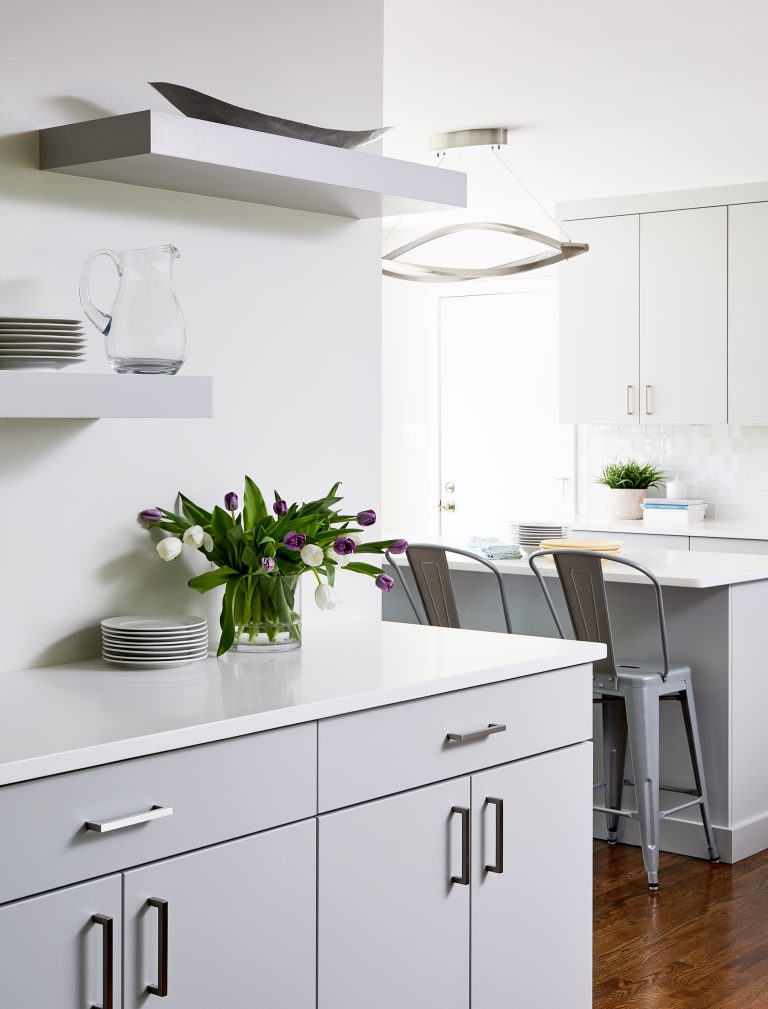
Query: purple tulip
280, 508
268, 564
385, 583
151, 515
367, 517
294, 540
344, 545
231, 502
398, 546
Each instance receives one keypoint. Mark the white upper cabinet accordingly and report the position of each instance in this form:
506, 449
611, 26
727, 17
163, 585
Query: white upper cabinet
747, 314
599, 324
683, 316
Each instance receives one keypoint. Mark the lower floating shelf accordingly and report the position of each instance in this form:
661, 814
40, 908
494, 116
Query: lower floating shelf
83, 396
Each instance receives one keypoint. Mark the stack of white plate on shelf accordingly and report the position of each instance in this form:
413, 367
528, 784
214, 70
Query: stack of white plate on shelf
154, 641
530, 534
29, 342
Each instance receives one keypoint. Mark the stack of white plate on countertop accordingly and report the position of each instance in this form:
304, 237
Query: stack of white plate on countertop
154, 641
530, 534
30, 342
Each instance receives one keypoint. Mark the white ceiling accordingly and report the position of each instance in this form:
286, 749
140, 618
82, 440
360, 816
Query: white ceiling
608, 97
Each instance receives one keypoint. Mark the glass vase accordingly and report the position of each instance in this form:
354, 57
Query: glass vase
268, 614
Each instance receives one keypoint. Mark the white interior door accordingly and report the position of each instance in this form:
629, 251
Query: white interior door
502, 449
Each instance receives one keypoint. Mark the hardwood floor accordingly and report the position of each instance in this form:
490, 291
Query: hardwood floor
701, 942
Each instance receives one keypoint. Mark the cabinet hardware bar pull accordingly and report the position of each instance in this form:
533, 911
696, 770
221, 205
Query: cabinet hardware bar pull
161, 988
648, 399
467, 737
463, 879
103, 826
498, 865
630, 402
107, 959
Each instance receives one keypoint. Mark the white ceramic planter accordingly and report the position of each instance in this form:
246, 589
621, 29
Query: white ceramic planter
626, 504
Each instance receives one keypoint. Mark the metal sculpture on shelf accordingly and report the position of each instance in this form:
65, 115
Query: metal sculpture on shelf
493, 138
197, 105
451, 274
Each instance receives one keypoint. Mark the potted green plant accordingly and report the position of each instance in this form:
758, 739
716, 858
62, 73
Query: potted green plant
628, 481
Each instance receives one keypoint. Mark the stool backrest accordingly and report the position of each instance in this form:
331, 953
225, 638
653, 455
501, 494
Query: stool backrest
581, 577
432, 575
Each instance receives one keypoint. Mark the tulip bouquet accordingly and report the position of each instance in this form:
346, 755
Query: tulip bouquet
259, 556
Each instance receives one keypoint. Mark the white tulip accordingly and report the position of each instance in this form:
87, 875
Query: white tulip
341, 559
169, 547
193, 537
312, 555
357, 538
207, 542
325, 597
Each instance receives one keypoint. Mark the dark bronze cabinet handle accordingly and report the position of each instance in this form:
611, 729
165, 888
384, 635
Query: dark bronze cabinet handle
161, 988
467, 737
463, 879
107, 959
498, 865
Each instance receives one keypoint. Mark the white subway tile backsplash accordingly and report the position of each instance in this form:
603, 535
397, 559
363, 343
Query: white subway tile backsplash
726, 465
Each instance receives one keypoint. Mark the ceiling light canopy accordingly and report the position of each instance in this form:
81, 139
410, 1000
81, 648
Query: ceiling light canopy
493, 139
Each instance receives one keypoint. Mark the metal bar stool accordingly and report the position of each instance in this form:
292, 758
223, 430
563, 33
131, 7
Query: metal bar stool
432, 575
629, 692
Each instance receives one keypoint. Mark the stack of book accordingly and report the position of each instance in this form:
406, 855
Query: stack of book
665, 511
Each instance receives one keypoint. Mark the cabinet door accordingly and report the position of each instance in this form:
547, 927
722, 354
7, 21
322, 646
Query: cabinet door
599, 324
747, 314
532, 919
683, 316
54, 955
239, 920
393, 930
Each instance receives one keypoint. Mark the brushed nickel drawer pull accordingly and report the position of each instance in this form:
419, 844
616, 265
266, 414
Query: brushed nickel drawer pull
103, 826
467, 737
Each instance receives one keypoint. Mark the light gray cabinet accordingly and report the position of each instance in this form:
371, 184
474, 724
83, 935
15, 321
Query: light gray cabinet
462, 893
531, 895
62, 950
392, 928
232, 925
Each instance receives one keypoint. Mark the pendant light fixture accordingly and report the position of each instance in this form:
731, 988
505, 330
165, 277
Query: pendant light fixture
493, 138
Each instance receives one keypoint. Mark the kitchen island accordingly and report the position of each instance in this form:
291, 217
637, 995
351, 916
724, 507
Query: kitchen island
392, 815
717, 618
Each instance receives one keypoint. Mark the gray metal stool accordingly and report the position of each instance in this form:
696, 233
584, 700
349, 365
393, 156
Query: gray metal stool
629, 692
432, 575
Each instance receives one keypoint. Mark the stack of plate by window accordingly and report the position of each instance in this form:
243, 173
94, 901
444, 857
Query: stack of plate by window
154, 641
30, 342
530, 534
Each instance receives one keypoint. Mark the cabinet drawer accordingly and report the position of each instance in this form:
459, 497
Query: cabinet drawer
217, 791
373, 753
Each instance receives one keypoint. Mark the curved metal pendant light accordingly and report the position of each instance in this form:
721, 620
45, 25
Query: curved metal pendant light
450, 274
493, 138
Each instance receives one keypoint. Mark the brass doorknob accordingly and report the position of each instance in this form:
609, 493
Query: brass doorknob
447, 506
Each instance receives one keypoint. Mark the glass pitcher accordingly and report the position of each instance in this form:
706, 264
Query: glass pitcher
145, 331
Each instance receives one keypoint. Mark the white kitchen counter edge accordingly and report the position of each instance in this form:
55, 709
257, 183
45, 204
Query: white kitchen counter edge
712, 528
552, 654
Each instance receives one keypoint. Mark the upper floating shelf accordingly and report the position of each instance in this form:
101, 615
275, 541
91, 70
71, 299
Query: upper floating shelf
165, 151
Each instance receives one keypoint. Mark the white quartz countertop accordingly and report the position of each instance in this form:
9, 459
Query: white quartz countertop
679, 568
62, 718
709, 527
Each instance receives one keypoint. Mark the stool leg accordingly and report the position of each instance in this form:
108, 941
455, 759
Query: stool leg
614, 749
694, 745
643, 724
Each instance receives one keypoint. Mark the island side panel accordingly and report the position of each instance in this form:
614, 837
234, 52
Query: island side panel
749, 703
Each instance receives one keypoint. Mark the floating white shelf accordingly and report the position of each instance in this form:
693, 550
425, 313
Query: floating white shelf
78, 395
166, 151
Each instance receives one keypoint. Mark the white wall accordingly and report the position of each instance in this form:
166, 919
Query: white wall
282, 308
